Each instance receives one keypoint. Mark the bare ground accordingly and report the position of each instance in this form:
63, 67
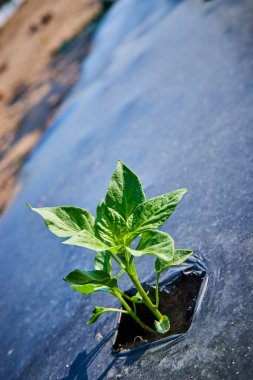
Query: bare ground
41, 49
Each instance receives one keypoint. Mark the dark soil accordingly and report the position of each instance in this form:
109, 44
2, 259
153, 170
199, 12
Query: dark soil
177, 301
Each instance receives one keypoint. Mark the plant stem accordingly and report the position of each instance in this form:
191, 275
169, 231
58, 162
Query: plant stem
120, 274
118, 261
125, 295
117, 294
115, 309
157, 289
145, 297
133, 276
131, 271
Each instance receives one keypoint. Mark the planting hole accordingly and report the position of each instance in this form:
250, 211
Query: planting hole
178, 299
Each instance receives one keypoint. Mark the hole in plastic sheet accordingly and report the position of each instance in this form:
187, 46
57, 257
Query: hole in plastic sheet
181, 293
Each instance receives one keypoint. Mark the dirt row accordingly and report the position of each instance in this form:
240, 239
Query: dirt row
41, 49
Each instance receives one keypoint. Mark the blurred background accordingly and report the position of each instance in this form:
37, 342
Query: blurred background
42, 45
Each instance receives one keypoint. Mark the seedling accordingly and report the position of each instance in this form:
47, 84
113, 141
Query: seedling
124, 216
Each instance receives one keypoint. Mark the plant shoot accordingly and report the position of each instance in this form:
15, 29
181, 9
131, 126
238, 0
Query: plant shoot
123, 216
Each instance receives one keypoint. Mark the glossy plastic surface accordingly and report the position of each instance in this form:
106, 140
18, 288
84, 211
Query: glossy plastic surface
168, 88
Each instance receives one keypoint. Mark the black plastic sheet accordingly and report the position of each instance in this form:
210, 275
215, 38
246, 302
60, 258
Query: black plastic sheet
167, 89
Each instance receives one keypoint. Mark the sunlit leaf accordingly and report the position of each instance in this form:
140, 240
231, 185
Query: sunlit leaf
110, 226
66, 221
125, 191
154, 212
154, 243
87, 241
180, 255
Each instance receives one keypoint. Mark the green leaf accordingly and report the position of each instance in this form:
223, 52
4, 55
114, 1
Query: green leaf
110, 227
125, 191
89, 288
103, 261
88, 241
155, 211
66, 221
180, 255
130, 236
137, 298
97, 311
163, 325
154, 243
100, 277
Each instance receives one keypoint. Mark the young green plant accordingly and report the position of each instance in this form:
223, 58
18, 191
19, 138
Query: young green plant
123, 216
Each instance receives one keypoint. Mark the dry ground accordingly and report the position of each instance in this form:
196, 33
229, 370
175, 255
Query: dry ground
35, 75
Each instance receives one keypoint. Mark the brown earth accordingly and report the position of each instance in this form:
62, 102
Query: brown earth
41, 48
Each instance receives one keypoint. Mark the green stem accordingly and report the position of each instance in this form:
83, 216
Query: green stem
131, 271
115, 309
120, 274
117, 294
125, 295
128, 298
133, 276
157, 289
118, 261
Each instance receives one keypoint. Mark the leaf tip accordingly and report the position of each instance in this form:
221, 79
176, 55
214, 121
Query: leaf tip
120, 163
28, 205
185, 190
